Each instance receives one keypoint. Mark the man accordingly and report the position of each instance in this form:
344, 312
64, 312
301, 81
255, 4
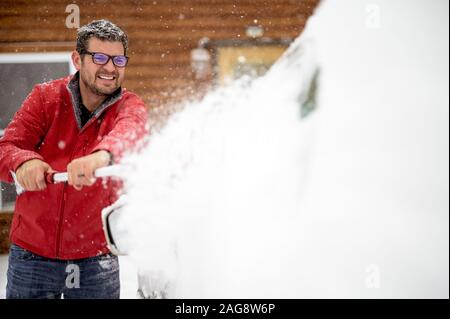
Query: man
75, 124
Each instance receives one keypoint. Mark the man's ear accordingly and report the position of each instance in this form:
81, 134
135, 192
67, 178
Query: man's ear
76, 60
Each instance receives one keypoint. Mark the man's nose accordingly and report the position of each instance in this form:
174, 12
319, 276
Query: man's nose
109, 66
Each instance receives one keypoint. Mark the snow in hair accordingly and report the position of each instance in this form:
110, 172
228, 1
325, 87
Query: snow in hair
103, 30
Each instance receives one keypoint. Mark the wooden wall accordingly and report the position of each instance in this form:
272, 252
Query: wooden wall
5, 224
162, 32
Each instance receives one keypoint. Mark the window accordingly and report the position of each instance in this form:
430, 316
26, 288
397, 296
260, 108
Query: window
235, 58
19, 72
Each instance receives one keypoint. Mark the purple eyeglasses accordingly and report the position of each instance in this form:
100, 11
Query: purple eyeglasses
102, 58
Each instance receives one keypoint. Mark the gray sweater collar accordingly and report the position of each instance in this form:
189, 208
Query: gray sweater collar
74, 89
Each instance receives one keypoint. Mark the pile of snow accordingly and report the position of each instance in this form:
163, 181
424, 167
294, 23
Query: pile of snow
240, 196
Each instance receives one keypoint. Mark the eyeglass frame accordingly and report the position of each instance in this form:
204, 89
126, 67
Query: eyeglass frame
110, 57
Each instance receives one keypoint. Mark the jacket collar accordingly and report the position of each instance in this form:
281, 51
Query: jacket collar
74, 89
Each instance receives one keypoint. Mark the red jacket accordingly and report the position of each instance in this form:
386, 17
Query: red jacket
61, 222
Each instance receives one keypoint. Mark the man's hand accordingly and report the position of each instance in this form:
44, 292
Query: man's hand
31, 175
81, 170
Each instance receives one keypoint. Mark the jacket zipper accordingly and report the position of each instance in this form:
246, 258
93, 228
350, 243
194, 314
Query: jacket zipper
61, 218
61, 210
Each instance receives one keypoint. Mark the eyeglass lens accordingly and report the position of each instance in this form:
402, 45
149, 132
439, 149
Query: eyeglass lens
119, 60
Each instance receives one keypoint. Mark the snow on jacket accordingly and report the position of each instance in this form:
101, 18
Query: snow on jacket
61, 222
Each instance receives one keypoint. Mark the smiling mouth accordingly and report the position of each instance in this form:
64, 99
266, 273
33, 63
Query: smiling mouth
106, 77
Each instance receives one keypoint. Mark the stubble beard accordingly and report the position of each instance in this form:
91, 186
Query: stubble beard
95, 89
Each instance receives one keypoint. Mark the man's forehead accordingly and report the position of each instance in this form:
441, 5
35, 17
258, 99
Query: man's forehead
105, 46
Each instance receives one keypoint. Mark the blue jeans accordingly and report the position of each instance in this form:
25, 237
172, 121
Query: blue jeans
32, 276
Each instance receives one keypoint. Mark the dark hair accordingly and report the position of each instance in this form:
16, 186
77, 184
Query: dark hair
103, 30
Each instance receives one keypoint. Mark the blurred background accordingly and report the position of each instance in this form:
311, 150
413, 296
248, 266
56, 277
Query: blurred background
163, 34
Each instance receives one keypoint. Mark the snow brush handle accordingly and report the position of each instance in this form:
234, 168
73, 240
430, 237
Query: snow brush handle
117, 170
107, 171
